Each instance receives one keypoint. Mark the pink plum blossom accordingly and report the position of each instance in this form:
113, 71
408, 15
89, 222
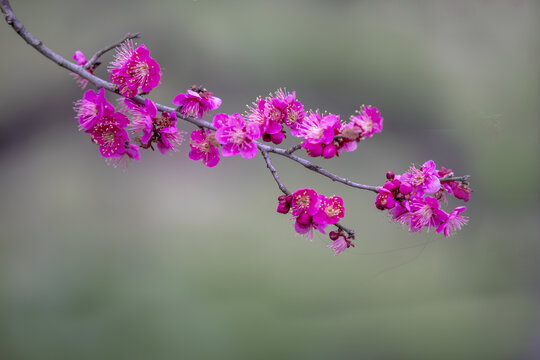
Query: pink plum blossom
368, 121
235, 135
196, 102
92, 108
204, 147
111, 136
454, 222
331, 210
305, 200
425, 179
134, 69
426, 213
341, 244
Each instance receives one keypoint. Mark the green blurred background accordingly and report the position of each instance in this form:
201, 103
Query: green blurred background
172, 260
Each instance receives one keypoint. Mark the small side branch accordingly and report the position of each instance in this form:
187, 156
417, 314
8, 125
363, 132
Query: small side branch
273, 170
464, 178
98, 54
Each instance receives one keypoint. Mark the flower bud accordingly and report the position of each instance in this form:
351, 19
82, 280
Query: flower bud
329, 151
333, 235
277, 138
405, 188
314, 150
283, 208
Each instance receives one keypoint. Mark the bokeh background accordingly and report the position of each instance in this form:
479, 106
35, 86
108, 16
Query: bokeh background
172, 260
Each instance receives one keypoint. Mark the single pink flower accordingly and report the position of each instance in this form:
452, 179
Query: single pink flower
385, 199
368, 122
111, 136
454, 222
426, 213
341, 244
196, 102
305, 200
92, 108
425, 179
235, 135
318, 129
330, 211
204, 146
134, 69
169, 137
142, 118
461, 190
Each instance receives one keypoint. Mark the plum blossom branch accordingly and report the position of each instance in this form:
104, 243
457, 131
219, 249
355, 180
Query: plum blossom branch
99, 53
412, 198
12, 20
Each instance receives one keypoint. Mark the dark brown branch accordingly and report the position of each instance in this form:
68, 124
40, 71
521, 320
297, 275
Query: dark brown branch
99, 53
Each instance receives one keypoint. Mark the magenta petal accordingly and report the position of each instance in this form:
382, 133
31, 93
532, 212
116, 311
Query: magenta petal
301, 229
179, 99
214, 102
229, 150
273, 127
433, 185
150, 108
248, 151
253, 131
195, 155
212, 158
220, 120
221, 135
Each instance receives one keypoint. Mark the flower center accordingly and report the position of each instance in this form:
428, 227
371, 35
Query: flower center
303, 201
331, 211
238, 136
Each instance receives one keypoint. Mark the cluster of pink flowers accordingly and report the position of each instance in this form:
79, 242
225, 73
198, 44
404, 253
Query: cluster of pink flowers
413, 199
135, 72
274, 111
324, 134
314, 211
159, 130
106, 127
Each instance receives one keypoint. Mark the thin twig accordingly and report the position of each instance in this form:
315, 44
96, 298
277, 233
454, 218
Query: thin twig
293, 148
463, 178
273, 170
98, 54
